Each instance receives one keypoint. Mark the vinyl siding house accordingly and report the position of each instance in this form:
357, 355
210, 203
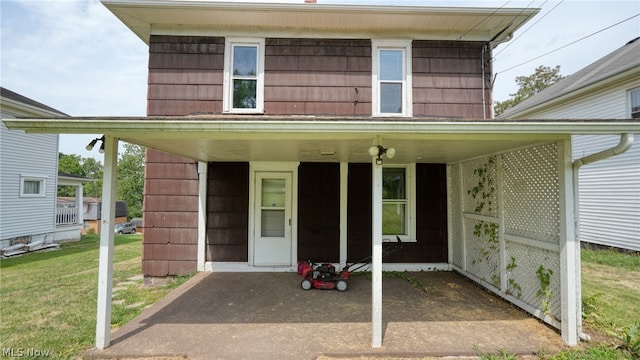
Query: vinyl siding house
29, 178
609, 189
269, 136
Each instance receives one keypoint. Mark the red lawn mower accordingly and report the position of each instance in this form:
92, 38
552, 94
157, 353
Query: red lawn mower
324, 275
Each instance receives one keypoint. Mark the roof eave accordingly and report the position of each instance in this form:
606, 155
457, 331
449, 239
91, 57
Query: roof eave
146, 17
302, 125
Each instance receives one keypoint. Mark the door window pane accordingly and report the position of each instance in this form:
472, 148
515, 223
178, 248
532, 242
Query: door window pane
272, 223
273, 193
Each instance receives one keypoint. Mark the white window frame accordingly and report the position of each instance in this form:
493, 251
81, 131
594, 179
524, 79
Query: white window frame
407, 82
410, 211
227, 91
630, 106
33, 178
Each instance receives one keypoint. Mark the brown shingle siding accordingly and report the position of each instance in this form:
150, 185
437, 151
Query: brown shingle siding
447, 79
185, 75
183, 107
173, 170
185, 92
317, 76
157, 268
170, 211
227, 212
182, 267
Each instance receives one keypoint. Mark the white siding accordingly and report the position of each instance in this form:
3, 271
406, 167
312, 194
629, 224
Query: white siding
32, 155
610, 103
609, 194
610, 189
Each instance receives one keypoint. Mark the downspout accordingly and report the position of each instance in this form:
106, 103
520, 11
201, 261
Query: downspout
484, 98
626, 141
491, 45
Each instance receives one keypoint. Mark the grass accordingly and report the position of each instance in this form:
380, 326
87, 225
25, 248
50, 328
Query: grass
49, 298
611, 304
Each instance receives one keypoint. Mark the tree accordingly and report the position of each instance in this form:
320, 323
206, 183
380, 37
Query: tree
130, 178
70, 164
85, 167
542, 78
93, 169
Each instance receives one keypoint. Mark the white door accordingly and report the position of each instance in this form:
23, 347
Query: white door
272, 232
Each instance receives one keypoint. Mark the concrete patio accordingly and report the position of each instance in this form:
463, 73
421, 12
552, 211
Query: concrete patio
268, 316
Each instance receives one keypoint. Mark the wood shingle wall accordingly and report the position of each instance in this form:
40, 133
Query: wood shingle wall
447, 79
170, 218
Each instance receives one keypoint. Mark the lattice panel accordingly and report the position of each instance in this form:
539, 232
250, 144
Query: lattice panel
523, 263
480, 179
455, 210
483, 251
531, 193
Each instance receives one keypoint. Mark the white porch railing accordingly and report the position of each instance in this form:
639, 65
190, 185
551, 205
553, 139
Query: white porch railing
66, 215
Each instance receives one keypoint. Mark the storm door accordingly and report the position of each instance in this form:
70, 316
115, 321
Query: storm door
272, 245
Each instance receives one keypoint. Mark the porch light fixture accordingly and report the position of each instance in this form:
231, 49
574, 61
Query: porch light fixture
379, 150
93, 142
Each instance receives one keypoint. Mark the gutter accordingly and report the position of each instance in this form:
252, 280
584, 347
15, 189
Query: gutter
626, 141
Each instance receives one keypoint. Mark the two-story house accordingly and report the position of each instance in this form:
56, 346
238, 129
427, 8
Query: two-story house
28, 181
286, 132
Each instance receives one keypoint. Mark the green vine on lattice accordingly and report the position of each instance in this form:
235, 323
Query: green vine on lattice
484, 193
485, 189
544, 276
513, 287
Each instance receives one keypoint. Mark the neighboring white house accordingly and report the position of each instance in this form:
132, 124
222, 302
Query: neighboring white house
609, 189
29, 178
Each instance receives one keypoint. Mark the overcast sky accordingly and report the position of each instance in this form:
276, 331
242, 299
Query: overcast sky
77, 57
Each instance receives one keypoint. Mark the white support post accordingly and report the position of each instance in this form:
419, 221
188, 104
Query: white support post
463, 234
202, 214
376, 260
569, 253
105, 267
501, 225
80, 205
344, 181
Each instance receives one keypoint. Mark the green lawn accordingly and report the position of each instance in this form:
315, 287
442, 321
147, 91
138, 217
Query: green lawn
49, 298
610, 291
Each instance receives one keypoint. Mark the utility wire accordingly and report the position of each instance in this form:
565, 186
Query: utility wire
529, 28
571, 43
483, 20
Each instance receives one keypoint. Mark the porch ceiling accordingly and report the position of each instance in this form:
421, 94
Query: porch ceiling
264, 138
146, 17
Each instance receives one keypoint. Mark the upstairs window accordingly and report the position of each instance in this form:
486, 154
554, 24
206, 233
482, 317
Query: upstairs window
635, 103
392, 86
244, 74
